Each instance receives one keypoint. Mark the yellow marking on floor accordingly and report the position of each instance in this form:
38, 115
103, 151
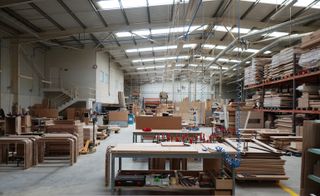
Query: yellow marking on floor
287, 189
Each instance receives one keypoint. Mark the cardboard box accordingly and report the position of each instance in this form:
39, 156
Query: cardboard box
158, 122
303, 103
223, 184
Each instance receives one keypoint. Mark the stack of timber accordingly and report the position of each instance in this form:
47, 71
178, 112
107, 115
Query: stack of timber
267, 72
310, 96
311, 41
265, 135
284, 142
310, 59
255, 101
274, 99
254, 73
68, 126
259, 161
284, 123
283, 63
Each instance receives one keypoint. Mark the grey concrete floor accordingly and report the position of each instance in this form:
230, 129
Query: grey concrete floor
86, 177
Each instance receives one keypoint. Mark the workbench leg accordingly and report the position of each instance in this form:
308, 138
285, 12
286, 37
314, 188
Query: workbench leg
120, 164
233, 181
112, 174
132, 137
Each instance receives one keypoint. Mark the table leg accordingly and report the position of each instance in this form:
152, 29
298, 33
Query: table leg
112, 174
120, 163
233, 181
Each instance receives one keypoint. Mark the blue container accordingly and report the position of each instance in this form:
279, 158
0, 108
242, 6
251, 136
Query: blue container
130, 119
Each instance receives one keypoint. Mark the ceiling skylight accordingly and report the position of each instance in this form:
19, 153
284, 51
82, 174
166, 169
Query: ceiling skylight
161, 31
160, 59
299, 3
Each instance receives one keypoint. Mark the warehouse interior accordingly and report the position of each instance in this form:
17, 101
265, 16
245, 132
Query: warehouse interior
160, 97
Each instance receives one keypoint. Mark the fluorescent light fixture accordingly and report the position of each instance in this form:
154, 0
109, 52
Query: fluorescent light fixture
160, 59
190, 46
232, 30
123, 34
267, 52
249, 50
217, 67
143, 32
220, 47
208, 46
208, 58
180, 65
148, 67
248, 62
276, 34
159, 48
193, 65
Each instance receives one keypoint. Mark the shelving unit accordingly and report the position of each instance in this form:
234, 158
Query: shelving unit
291, 81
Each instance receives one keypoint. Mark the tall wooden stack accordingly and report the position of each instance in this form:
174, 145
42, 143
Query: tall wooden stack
310, 158
282, 63
254, 73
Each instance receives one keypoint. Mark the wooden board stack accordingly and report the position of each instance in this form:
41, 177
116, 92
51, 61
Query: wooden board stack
255, 101
254, 73
68, 126
273, 99
311, 41
259, 161
266, 72
310, 96
282, 63
284, 123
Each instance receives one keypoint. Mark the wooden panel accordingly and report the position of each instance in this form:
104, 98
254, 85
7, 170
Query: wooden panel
158, 122
118, 116
311, 139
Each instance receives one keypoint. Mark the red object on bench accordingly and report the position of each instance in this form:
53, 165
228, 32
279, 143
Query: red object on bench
146, 129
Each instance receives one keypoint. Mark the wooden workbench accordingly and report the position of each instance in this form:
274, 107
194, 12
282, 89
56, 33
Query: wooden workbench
171, 132
153, 150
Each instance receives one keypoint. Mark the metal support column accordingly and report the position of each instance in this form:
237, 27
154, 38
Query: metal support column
15, 71
220, 84
173, 86
195, 89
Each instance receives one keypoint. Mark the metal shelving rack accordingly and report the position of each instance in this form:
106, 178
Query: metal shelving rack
297, 77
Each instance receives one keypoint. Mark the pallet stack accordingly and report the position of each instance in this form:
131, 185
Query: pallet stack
311, 54
282, 63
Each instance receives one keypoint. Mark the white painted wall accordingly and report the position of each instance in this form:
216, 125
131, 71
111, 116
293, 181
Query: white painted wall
110, 79
73, 67
30, 90
152, 90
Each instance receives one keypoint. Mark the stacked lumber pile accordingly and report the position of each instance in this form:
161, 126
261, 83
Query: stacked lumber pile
255, 101
310, 59
310, 96
258, 161
274, 99
284, 123
267, 71
311, 41
265, 135
254, 73
284, 142
68, 126
282, 63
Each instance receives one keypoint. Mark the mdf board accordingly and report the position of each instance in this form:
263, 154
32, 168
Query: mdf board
118, 116
311, 139
256, 119
158, 122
